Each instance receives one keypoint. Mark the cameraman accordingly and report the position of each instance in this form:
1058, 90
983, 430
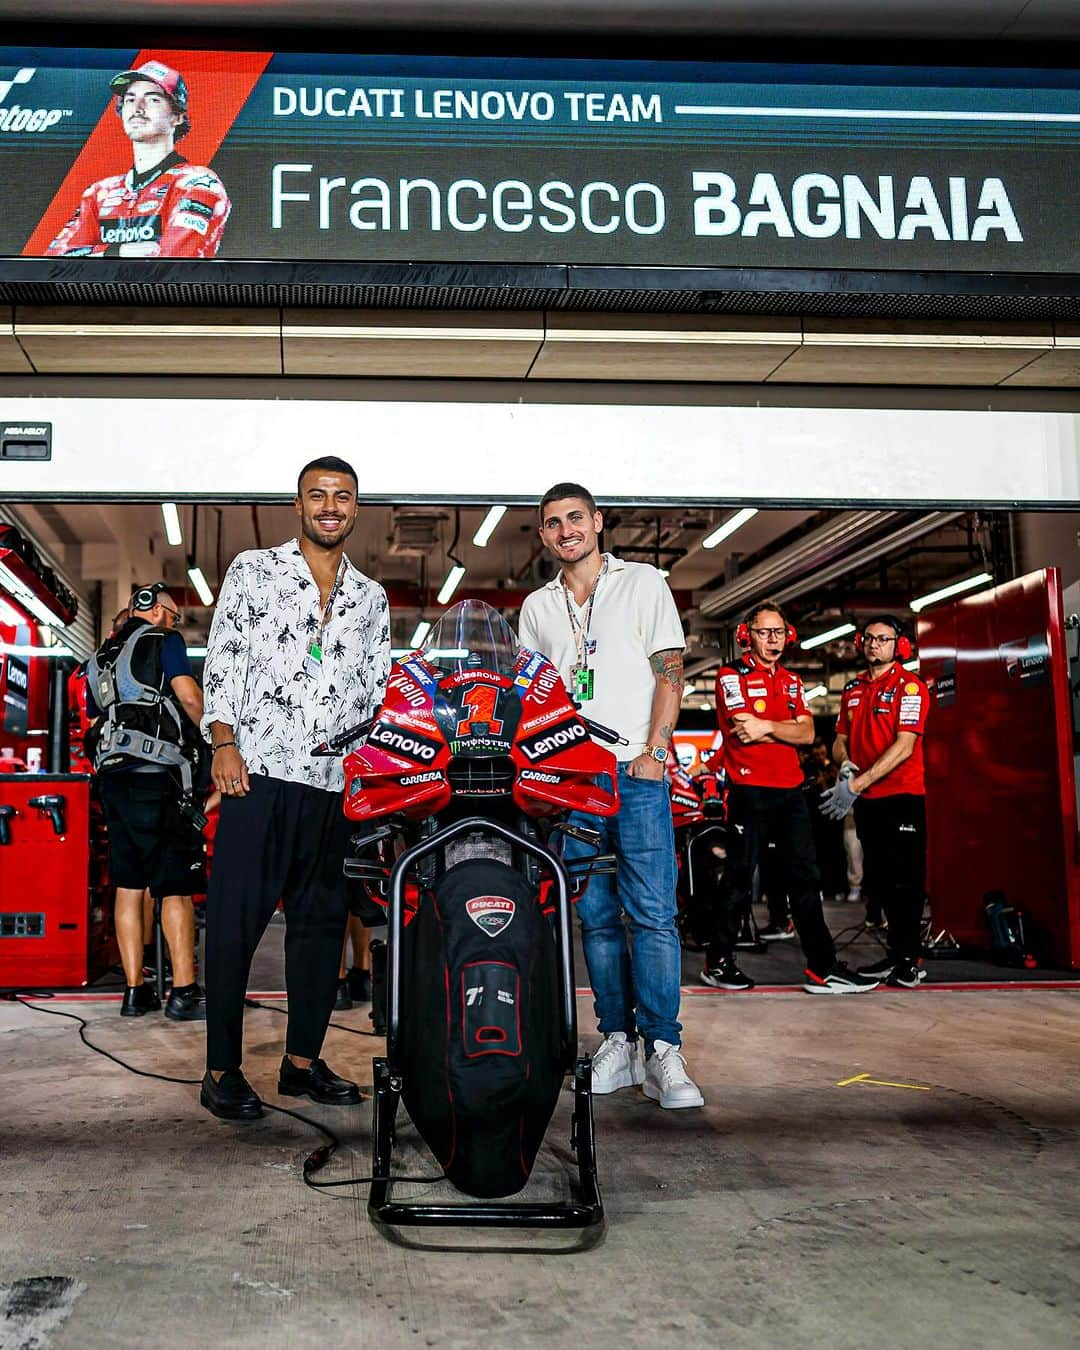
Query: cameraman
144, 745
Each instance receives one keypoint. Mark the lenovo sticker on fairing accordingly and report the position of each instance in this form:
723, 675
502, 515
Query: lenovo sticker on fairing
490, 913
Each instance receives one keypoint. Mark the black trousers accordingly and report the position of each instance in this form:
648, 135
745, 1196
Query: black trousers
283, 841
756, 815
892, 831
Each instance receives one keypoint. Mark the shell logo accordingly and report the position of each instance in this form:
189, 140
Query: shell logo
759, 705
911, 687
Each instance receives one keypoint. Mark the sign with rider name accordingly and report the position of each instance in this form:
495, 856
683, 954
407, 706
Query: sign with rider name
281, 156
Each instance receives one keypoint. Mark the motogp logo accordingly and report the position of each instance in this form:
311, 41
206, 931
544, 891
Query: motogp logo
491, 913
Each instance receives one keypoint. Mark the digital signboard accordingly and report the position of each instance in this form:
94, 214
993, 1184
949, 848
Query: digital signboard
287, 157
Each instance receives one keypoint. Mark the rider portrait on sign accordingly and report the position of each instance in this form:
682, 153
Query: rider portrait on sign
164, 206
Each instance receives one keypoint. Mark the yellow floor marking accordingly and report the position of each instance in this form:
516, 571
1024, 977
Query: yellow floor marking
881, 1082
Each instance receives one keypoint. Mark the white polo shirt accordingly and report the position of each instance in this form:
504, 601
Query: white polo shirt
633, 616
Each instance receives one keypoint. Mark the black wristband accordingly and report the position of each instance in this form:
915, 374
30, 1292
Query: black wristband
224, 745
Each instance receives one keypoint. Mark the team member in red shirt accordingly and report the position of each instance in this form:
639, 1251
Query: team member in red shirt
163, 207
761, 711
879, 746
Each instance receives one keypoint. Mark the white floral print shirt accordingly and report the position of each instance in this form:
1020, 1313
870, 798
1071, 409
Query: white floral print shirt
255, 679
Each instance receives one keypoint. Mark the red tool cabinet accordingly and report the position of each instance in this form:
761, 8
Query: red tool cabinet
55, 901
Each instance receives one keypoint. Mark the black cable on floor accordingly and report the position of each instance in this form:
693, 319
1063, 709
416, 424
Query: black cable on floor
31, 1001
284, 1012
314, 1162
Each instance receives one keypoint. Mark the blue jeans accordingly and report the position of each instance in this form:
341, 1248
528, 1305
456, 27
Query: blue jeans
636, 987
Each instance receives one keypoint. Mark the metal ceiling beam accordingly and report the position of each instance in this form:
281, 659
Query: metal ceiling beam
831, 541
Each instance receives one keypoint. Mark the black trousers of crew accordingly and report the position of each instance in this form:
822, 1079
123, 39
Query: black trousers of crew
283, 841
756, 815
892, 831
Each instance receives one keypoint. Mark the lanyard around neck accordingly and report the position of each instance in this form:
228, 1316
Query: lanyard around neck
581, 630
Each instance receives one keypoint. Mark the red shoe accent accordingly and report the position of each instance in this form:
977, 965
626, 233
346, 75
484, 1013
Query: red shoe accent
811, 976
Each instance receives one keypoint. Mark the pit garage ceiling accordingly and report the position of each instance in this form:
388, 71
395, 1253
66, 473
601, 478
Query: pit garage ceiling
827, 565
924, 20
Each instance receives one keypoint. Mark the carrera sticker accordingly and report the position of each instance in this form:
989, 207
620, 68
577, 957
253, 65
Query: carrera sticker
491, 913
538, 776
411, 779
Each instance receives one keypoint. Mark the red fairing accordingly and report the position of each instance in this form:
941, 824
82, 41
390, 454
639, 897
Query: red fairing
686, 804
401, 768
555, 758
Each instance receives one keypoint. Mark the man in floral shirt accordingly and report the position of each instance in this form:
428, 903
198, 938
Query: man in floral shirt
299, 650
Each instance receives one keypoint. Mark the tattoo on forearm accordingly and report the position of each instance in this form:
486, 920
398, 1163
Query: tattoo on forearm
667, 665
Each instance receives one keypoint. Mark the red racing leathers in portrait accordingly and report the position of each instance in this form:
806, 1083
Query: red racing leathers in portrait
173, 210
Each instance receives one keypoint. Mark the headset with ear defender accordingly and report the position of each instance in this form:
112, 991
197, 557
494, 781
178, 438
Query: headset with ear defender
904, 649
742, 633
146, 597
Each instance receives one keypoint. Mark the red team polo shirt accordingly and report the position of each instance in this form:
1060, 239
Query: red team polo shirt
872, 712
745, 686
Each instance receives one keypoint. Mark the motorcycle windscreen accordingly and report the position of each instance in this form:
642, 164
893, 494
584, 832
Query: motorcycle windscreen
479, 1040
471, 636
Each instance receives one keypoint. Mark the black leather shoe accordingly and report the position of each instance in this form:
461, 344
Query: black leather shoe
319, 1083
138, 1000
342, 999
186, 1005
231, 1098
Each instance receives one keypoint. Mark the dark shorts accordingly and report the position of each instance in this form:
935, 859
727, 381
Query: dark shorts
150, 842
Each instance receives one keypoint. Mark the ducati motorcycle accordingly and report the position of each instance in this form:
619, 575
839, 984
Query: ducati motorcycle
457, 787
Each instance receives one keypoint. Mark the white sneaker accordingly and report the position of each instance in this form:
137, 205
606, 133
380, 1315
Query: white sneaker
666, 1079
854, 896
617, 1064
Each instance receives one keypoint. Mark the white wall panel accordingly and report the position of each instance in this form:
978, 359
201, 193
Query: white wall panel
439, 451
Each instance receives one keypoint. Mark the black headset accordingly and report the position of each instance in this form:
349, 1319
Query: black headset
146, 597
904, 648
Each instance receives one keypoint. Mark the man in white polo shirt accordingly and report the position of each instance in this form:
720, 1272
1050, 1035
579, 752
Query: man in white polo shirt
612, 630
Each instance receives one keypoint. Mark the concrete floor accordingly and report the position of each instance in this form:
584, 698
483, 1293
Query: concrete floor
790, 1211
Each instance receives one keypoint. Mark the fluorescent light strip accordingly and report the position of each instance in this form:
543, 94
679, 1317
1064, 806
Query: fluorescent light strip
957, 588
729, 526
202, 586
26, 596
820, 639
450, 585
487, 526
171, 516
423, 628
818, 691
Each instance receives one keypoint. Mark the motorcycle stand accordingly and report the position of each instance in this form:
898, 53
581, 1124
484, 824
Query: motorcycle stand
584, 1212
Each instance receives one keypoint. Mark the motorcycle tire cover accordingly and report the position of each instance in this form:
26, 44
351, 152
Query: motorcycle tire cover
479, 1030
